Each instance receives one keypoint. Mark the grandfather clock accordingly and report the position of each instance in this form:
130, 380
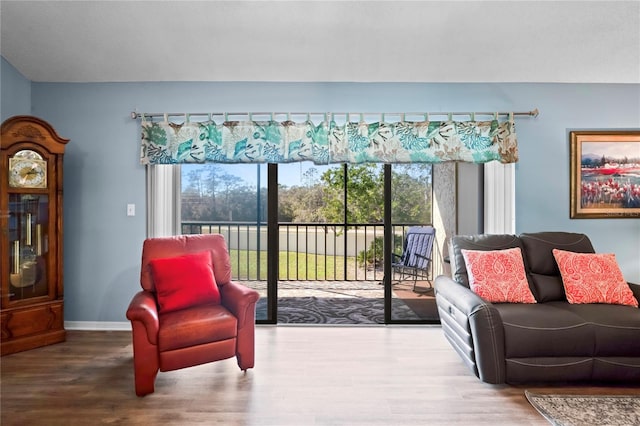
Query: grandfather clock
31, 311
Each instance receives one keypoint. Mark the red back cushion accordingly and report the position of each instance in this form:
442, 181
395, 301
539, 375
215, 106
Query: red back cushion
498, 275
593, 278
184, 281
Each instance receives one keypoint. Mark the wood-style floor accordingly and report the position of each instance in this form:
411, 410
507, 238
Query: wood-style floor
310, 375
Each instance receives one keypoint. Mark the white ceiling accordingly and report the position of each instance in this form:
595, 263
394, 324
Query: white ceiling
361, 41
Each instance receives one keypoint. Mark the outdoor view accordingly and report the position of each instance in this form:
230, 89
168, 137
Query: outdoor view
226, 196
307, 193
328, 232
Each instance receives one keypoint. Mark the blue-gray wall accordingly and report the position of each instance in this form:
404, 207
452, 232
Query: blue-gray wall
16, 92
102, 174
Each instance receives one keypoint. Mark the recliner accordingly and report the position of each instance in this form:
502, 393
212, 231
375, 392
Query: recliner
194, 335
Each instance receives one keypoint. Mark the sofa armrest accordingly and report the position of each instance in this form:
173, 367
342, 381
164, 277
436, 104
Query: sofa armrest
473, 327
143, 308
635, 288
240, 300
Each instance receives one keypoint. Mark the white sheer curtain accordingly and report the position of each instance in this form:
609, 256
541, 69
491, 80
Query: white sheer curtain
163, 201
499, 198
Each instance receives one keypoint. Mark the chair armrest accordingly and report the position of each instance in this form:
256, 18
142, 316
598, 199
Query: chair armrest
238, 299
473, 327
143, 308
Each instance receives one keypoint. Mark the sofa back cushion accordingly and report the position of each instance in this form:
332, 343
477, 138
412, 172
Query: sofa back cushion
542, 266
483, 242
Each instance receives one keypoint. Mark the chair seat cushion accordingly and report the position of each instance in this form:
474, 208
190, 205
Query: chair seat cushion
195, 326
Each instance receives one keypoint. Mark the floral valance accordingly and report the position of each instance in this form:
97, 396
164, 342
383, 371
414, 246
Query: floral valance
327, 142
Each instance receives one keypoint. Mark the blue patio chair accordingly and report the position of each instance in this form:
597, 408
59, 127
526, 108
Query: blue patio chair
415, 260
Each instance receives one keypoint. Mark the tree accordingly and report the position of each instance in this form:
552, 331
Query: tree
365, 194
212, 194
232, 193
310, 177
196, 183
411, 193
301, 203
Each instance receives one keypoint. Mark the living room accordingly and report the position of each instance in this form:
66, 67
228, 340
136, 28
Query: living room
581, 74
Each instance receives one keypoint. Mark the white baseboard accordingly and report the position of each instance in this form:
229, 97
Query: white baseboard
98, 325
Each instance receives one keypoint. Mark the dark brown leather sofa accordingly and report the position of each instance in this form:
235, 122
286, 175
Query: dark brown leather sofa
549, 341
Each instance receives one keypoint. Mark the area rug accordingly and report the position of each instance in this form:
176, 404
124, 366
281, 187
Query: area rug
335, 310
587, 410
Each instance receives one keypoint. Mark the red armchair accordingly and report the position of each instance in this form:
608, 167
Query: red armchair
165, 341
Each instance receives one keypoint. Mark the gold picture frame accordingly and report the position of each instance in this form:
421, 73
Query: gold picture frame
605, 174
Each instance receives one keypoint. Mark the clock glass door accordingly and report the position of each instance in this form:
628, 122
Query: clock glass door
28, 246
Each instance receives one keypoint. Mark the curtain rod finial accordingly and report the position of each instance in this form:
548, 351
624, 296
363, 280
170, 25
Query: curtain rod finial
134, 115
535, 112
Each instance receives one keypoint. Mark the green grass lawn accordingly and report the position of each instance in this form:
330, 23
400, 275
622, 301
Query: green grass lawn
293, 266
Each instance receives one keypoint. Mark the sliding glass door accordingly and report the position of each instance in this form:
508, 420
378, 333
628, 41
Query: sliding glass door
410, 284
231, 199
303, 233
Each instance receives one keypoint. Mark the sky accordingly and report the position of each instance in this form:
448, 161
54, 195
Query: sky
611, 149
290, 174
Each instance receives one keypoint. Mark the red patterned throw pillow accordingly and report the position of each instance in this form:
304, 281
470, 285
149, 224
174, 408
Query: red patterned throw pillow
184, 281
498, 275
593, 278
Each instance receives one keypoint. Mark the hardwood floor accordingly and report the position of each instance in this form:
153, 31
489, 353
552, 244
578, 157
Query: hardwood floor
310, 375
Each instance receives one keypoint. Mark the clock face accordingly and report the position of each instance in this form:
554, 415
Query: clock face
27, 170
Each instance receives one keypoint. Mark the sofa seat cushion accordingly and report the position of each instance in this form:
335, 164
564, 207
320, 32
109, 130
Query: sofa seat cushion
195, 326
544, 330
616, 328
618, 369
548, 369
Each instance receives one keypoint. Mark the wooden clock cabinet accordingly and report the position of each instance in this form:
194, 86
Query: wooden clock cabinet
32, 307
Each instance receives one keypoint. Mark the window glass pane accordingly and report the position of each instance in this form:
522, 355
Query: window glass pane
310, 210
230, 199
365, 193
411, 193
411, 204
302, 192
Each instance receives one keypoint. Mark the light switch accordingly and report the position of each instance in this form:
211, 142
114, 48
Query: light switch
131, 209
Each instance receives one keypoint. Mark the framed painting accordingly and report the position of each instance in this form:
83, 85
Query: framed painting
605, 174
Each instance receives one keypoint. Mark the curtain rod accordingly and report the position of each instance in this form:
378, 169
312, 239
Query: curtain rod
135, 115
